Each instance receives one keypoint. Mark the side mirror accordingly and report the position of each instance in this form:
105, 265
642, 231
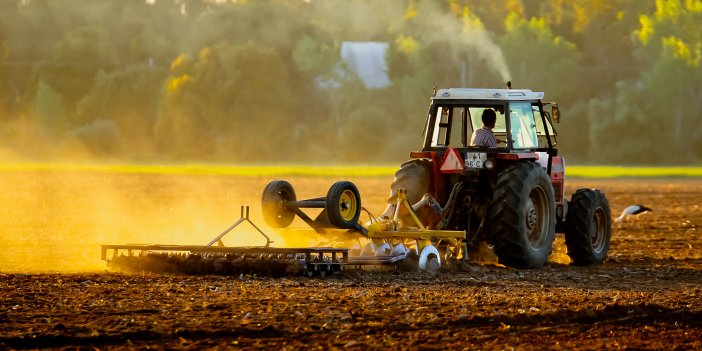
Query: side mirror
555, 113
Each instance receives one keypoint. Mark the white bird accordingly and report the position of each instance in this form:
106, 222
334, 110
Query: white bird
633, 210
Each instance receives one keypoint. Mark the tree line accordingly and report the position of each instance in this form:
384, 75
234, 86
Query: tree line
242, 81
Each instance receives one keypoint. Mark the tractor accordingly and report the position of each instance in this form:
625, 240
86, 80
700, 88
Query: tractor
511, 196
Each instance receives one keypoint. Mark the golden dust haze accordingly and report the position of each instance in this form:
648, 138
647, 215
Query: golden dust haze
55, 221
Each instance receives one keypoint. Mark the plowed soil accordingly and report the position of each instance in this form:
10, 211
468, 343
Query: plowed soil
647, 295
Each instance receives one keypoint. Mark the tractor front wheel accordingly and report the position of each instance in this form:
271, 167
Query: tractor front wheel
588, 227
523, 216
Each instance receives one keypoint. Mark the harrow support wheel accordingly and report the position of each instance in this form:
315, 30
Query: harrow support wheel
343, 205
588, 227
273, 201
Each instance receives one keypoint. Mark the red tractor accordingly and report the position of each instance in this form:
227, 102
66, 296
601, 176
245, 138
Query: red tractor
510, 195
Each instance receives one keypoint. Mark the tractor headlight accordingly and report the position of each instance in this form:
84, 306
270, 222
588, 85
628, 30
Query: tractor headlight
488, 164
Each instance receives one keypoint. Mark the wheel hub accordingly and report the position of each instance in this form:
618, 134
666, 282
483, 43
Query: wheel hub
598, 230
532, 215
531, 218
347, 204
535, 221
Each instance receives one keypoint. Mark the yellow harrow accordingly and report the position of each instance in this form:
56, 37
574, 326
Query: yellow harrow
399, 239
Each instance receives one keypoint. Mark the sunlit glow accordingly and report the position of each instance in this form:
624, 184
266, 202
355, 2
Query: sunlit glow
56, 220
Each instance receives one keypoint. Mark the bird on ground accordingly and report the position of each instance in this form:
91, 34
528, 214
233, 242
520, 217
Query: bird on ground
633, 210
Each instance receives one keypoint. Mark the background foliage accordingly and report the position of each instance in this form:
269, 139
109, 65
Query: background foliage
262, 80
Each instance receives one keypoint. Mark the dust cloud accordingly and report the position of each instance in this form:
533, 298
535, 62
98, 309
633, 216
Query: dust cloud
55, 221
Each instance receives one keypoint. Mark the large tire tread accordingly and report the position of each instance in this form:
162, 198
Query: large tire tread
506, 220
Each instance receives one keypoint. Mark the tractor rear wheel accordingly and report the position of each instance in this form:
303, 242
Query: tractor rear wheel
343, 205
523, 216
588, 227
273, 201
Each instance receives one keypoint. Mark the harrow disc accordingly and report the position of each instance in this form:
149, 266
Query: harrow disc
196, 264
198, 260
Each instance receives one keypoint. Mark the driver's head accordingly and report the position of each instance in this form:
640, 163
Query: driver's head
489, 118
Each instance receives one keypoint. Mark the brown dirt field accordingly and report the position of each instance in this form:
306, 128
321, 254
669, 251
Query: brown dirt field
648, 295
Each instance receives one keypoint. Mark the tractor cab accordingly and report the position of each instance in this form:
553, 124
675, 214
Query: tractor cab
523, 131
522, 124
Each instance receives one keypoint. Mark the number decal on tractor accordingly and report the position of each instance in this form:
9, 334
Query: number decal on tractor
475, 159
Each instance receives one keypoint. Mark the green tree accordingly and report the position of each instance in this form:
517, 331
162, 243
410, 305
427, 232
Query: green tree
365, 133
152, 47
233, 102
127, 97
656, 117
269, 23
539, 58
75, 60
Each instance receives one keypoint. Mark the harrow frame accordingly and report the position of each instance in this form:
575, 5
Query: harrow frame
311, 260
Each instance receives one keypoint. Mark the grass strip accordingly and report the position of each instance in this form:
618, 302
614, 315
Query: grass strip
327, 170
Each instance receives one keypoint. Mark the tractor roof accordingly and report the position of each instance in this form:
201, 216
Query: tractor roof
487, 94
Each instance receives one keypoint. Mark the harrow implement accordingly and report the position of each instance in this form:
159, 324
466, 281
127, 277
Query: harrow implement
222, 260
401, 239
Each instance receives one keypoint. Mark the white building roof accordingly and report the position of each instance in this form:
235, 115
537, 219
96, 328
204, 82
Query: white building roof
367, 60
488, 94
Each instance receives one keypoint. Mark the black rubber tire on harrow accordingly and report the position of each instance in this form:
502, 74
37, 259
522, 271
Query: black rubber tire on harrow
273, 201
523, 216
343, 205
588, 227
415, 177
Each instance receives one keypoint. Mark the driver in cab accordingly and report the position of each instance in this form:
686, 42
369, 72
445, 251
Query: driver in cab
484, 137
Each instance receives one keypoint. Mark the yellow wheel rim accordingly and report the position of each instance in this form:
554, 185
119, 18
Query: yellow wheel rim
348, 205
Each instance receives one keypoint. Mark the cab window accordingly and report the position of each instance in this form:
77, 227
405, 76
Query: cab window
522, 126
476, 114
449, 127
540, 130
454, 124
